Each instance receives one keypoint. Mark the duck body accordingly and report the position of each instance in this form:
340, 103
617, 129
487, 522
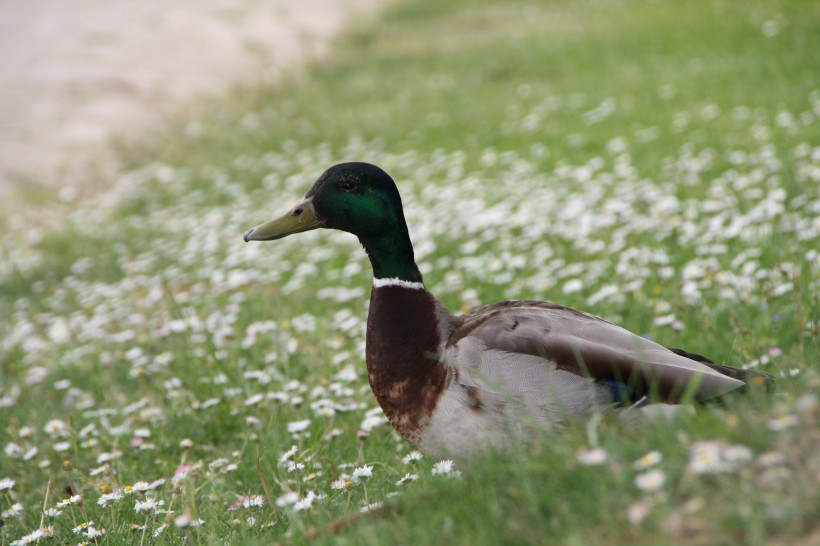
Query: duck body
452, 385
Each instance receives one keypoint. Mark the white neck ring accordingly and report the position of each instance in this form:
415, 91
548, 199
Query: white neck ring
381, 283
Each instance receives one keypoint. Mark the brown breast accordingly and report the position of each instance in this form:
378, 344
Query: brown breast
403, 342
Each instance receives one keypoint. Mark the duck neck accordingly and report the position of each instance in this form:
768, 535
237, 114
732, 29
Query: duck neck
391, 256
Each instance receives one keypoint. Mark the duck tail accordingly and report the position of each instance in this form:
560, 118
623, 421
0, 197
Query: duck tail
752, 378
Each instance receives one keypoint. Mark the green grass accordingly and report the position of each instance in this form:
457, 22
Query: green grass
653, 162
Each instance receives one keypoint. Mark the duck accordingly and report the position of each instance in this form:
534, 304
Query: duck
454, 385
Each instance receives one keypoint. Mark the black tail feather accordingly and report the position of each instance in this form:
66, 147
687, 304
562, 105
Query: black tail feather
752, 378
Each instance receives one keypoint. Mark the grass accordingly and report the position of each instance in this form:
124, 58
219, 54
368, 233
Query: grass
653, 162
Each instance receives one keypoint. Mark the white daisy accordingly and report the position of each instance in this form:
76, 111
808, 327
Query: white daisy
648, 461
362, 472
407, 478
651, 481
412, 457
148, 505
592, 457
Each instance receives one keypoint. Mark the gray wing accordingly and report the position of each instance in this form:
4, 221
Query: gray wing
531, 348
524, 365
511, 388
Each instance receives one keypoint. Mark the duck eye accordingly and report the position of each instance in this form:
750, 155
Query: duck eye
348, 185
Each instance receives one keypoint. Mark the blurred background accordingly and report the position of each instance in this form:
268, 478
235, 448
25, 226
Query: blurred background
75, 75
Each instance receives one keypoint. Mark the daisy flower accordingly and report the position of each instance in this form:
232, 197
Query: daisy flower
56, 427
298, 426
288, 454
445, 468
99, 470
637, 512
593, 457
14, 510
306, 503
784, 422
105, 457
738, 453
81, 527
363, 472
772, 458
148, 505
412, 457
287, 499
35, 536
710, 457
372, 421
407, 478
248, 501
648, 461
138, 487
107, 499
75, 500
187, 520
705, 458
254, 399
181, 473
340, 483
651, 481
92, 532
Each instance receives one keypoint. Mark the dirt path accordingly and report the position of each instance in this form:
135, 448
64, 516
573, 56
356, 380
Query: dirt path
74, 74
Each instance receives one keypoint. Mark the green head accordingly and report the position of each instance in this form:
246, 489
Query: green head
358, 198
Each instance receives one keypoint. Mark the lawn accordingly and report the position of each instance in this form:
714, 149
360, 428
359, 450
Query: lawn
656, 163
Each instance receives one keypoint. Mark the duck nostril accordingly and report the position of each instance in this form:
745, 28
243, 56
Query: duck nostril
297, 212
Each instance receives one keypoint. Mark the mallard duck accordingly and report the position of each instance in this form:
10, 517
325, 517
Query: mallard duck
452, 384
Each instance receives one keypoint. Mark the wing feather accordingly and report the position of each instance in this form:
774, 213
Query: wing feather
584, 345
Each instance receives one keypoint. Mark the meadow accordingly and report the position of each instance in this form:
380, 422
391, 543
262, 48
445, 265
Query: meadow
653, 162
